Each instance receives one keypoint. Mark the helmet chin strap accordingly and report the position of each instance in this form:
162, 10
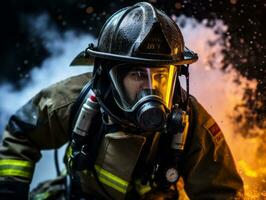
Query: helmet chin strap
187, 85
185, 72
106, 111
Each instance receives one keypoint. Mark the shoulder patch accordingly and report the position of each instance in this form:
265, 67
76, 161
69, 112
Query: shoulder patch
212, 127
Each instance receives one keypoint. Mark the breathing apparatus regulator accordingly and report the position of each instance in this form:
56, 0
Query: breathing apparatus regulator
137, 61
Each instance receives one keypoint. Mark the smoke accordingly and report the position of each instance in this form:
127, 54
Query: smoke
63, 48
214, 89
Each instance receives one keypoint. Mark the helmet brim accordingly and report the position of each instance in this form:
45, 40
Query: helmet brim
87, 58
82, 59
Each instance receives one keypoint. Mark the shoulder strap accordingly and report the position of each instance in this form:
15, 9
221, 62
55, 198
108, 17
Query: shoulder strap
73, 115
77, 106
94, 142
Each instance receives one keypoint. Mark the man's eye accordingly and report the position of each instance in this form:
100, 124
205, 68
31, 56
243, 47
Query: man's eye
160, 76
138, 75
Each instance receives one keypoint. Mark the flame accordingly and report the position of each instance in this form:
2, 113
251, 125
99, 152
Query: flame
218, 93
254, 176
247, 171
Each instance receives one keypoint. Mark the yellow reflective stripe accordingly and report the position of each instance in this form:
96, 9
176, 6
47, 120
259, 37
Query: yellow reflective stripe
69, 151
112, 185
15, 172
21, 163
11, 167
142, 189
111, 180
111, 176
41, 196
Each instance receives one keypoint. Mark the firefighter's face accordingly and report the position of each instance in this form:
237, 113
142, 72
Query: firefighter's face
140, 78
134, 82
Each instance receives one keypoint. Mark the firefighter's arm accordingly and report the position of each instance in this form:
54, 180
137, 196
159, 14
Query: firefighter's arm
208, 169
40, 124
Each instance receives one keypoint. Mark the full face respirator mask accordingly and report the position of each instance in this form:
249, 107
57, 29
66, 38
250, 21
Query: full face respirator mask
144, 93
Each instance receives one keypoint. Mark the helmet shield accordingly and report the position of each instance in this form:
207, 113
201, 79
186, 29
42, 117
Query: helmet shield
137, 83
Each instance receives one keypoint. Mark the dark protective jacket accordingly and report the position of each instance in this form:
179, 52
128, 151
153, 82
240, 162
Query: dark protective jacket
208, 169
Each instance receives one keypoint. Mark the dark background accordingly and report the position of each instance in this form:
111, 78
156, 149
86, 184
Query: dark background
244, 42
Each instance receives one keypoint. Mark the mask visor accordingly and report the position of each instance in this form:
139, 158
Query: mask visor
135, 83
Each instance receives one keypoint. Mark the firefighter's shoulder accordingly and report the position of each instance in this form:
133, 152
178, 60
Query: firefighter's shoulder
205, 124
63, 92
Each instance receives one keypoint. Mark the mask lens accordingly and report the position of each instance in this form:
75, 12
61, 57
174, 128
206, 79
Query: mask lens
133, 83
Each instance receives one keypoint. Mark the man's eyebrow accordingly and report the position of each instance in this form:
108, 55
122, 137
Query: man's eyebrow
161, 70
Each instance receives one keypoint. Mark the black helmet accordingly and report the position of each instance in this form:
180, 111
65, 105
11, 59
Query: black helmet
138, 35
143, 34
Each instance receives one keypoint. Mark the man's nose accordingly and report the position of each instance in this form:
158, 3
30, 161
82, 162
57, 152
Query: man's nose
145, 84
149, 85
154, 83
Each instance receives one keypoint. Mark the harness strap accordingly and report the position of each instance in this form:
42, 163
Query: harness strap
77, 106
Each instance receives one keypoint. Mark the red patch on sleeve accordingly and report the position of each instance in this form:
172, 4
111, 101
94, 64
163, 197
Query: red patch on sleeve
214, 129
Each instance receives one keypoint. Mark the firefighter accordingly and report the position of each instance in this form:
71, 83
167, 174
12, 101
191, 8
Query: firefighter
132, 130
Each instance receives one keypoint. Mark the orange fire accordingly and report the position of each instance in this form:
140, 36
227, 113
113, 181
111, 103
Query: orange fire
218, 93
220, 101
